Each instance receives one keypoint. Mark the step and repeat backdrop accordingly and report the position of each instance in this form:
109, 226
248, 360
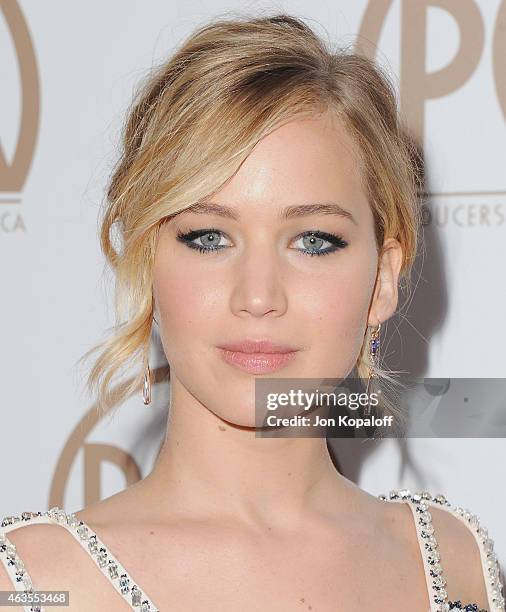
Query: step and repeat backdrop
67, 74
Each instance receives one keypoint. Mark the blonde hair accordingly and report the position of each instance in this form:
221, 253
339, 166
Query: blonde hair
195, 119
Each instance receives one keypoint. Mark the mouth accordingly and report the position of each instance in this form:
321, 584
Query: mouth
258, 357
258, 363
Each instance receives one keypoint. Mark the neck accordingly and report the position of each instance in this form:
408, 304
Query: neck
210, 467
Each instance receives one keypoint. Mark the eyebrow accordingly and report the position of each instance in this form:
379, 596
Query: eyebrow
290, 212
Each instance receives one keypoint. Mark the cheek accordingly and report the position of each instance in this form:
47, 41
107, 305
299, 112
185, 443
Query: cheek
187, 305
336, 309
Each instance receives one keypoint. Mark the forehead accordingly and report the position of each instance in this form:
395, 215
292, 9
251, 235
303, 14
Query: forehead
304, 160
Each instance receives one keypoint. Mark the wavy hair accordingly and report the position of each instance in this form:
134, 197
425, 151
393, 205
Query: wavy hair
196, 117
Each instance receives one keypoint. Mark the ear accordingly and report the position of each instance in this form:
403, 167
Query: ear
386, 296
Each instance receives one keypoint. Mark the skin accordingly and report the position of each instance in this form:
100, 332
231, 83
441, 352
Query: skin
227, 520
262, 283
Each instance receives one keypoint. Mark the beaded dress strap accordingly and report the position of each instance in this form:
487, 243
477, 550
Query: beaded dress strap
11, 560
92, 544
420, 504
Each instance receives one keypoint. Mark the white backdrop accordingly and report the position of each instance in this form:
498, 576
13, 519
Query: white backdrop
66, 81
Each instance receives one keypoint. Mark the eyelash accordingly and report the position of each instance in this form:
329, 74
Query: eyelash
337, 241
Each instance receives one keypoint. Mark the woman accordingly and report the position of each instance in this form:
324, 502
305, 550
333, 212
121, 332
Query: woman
266, 209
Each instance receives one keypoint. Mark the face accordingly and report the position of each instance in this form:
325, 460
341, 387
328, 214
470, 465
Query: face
260, 263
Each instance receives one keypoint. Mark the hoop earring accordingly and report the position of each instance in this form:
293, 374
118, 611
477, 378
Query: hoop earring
374, 345
146, 390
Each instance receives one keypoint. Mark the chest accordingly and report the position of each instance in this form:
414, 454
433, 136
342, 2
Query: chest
192, 572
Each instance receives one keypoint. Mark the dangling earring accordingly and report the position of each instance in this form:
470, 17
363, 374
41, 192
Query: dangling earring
374, 345
146, 390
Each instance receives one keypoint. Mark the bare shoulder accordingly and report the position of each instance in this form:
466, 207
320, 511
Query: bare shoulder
464, 561
471, 567
53, 560
127, 506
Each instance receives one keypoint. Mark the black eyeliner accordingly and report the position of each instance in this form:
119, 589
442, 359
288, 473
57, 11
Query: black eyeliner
337, 241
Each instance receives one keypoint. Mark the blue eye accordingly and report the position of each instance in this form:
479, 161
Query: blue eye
210, 239
312, 240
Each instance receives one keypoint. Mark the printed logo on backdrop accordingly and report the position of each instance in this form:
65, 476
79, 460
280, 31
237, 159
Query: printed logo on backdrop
15, 165
480, 207
94, 456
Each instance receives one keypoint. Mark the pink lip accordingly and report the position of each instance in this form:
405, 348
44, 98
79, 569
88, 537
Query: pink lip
258, 356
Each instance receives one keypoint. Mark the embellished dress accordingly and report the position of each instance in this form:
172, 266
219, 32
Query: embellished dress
419, 503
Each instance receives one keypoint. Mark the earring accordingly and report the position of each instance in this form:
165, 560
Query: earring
146, 390
374, 345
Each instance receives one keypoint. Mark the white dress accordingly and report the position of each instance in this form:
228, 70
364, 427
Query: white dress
136, 597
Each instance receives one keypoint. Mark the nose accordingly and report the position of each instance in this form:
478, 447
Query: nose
258, 288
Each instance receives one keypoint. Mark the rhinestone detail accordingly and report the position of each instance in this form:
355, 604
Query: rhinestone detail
422, 501
11, 559
96, 548
105, 560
